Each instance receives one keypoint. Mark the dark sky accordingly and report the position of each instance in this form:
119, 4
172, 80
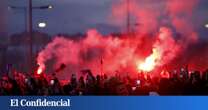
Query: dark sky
3, 17
73, 16
67, 16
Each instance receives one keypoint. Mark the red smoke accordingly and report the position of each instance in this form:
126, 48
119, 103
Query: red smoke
154, 45
181, 14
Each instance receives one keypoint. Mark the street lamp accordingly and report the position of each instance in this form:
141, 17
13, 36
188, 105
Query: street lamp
50, 6
43, 7
29, 28
42, 25
25, 11
206, 25
30, 9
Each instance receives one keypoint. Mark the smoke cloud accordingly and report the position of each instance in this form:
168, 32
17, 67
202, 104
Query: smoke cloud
164, 32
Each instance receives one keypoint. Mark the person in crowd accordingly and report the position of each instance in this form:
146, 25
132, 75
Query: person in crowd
170, 83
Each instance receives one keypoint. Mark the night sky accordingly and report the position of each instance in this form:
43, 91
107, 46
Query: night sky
73, 16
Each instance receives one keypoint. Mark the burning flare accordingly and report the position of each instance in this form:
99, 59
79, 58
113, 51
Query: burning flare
150, 62
40, 69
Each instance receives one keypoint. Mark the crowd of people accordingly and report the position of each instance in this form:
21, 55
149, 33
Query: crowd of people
167, 83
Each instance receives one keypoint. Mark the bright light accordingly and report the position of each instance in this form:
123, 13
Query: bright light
40, 70
150, 62
138, 82
206, 25
50, 6
42, 25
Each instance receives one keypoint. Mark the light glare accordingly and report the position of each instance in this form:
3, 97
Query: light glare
42, 25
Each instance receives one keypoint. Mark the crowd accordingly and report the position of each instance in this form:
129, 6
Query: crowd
167, 83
